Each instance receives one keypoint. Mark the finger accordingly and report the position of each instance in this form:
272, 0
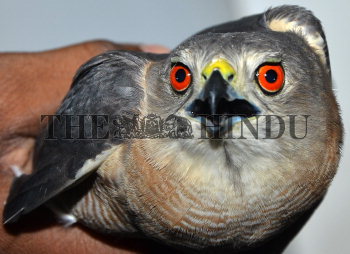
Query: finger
158, 49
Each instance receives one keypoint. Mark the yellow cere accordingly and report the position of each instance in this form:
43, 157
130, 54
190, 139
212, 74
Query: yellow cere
223, 66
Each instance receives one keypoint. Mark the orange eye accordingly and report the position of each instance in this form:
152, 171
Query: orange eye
270, 77
180, 77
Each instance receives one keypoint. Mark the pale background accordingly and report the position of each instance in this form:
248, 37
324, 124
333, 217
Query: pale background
38, 25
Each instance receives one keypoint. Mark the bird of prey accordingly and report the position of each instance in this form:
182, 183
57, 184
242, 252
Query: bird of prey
228, 143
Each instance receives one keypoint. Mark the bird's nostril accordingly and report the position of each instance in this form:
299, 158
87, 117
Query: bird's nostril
230, 77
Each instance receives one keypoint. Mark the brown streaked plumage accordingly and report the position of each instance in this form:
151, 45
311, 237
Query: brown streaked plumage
248, 193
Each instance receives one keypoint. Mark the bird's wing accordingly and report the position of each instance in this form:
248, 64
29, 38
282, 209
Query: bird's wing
247, 24
107, 85
288, 18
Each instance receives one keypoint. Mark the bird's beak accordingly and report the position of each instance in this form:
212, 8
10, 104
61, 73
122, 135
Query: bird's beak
218, 101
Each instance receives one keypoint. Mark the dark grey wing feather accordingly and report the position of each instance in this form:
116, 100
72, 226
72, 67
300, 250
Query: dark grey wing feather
258, 22
247, 24
106, 85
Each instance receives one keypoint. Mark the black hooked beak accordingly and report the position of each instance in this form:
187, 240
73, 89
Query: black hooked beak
219, 102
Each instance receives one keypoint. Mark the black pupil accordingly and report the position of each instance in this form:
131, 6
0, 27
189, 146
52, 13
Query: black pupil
180, 75
271, 76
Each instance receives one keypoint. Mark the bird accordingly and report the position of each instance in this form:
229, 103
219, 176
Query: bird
227, 143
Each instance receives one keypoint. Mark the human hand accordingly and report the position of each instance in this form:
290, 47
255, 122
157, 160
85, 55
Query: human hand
34, 84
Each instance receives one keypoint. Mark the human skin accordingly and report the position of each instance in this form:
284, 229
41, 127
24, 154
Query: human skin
31, 85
